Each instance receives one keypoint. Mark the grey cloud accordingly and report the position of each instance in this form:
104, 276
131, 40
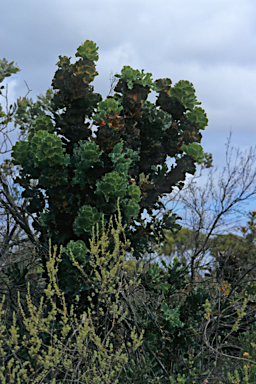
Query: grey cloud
211, 44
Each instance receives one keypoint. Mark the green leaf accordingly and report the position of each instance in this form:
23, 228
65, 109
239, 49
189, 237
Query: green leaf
164, 264
131, 208
88, 50
107, 107
163, 84
87, 217
198, 117
135, 192
184, 91
155, 273
112, 185
194, 150
165, 286
156, 117
7, 69
42, 123
2, 114
47, 150
164, 307
63, 62
79, 251
171, 315
85, 70
20, 152
120, 160
86, 156
134, 76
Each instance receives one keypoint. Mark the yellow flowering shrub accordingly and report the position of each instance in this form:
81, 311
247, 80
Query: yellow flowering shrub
84, 350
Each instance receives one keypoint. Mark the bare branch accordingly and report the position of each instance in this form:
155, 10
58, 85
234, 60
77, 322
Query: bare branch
218, 206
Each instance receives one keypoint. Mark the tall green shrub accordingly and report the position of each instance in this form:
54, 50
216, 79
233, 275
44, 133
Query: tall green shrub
72, 176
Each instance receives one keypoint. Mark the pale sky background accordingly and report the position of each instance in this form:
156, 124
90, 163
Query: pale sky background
210, 43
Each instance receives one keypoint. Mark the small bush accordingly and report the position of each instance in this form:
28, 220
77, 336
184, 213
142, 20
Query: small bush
84, 349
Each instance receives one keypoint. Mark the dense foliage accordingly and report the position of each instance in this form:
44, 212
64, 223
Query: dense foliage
77, 349
73, 176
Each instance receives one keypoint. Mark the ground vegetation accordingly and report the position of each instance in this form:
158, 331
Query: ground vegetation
81, 300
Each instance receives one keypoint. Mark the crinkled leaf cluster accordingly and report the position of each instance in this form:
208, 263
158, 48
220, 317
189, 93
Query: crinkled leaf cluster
87, 217
79, 250
47, 150
113, 184
134, 76
42, 123
184, 91
88, 50
86, 155
108, 107
198, 117
122, 160
44, 147
194, 150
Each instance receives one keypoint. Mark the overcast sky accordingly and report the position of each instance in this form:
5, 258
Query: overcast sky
210, 43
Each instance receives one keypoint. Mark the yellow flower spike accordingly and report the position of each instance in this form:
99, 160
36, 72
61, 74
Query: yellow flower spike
84, 331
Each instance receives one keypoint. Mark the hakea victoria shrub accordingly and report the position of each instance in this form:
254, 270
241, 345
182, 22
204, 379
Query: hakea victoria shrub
84, 152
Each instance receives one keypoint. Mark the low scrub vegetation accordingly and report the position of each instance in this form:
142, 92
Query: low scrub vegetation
143, 324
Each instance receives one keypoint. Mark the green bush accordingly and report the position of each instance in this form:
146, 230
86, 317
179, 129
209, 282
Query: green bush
80, 174
85, 348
